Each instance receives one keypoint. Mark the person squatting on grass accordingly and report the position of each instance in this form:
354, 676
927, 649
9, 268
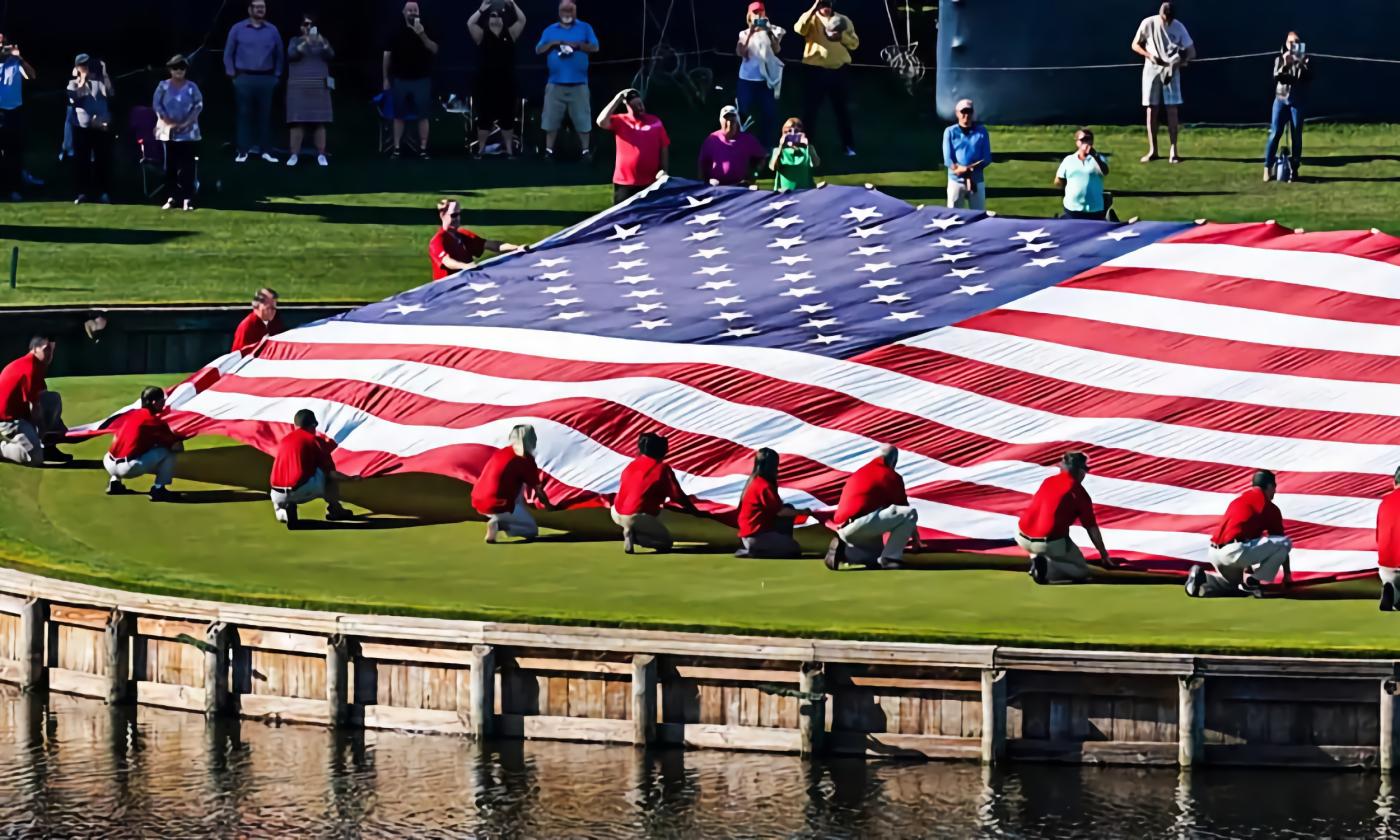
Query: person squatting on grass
1388, 546
1043, 530
303, 470
873, 519
453, 248
501, 492
1248, 548
31, 416
262, 322
643, 146
143, 444
765, 523
646, 484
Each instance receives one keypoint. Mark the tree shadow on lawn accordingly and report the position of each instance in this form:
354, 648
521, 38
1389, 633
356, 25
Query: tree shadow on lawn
423, 217
91, 235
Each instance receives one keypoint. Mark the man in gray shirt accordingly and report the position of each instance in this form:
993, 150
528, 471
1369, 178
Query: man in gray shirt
253, 59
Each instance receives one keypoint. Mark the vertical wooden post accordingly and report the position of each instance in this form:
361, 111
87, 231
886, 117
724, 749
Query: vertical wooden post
220, 639
643, 699
993, 716
338, 679
811, 710
1191, 720
1389, 731
483, 690
33, 629
118, 648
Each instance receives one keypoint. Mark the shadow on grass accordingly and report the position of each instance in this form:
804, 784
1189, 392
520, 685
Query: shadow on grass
218, 497
421, 217
368, 523
91, 235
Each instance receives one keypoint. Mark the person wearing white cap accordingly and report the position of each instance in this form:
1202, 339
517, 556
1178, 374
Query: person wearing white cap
967, 152
730, 156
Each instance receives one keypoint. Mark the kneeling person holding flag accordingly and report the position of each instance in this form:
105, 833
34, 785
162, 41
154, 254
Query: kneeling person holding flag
499, 493
143, 444
1043, 530
304, 470
1248, 547
873, 519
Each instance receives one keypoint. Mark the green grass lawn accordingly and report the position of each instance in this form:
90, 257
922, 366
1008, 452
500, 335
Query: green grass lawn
224, 544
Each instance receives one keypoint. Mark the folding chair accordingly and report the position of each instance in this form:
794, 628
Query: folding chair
384, 105
150, 152
494, 139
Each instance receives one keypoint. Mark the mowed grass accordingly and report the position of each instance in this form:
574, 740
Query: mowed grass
224, 544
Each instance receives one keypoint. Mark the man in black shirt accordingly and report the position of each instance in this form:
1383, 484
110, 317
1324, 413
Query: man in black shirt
408, 76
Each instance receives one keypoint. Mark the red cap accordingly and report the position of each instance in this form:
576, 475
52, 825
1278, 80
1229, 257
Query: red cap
757, 8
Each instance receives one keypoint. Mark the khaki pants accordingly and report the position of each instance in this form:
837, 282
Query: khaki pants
1064, 561
22, 442
883, 533
771, 544
1265, 556
318, 486
159, 462
1389, 575
960, 196
516, 522
646, 530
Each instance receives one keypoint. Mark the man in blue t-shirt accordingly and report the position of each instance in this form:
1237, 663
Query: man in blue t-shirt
567, 44
14, 72
1081, 175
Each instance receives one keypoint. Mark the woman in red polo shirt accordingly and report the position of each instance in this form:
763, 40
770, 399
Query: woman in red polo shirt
499, 493
646, 484
765, 523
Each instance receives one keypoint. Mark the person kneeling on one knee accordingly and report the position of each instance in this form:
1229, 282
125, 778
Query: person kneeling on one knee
765, 523
646, 484
873, 520
1043, 530
1388, 547
500, 493
143, 444
31, 416
1248, 547
304, 469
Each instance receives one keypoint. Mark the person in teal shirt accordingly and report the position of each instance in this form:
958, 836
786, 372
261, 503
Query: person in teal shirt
1081, 175
794, 159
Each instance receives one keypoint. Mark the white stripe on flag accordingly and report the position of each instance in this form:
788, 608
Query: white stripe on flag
1318, 269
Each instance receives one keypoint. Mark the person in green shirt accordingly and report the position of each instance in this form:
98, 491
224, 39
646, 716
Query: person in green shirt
794, 159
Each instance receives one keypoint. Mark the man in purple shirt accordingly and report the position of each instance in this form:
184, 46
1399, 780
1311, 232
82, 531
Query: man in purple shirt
253, 58
730, 156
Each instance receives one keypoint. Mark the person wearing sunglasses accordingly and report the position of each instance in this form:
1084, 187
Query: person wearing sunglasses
309, 86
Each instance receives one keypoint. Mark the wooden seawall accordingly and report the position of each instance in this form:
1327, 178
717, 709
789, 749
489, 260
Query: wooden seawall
979, 703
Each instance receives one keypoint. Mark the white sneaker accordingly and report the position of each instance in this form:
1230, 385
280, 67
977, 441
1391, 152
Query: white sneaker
321, 160
291, 161
269, 158
242, 158
282, 515
189, 205
492, 530
169, 203
850, 152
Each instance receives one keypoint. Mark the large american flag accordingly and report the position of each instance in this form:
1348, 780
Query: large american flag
1180, 357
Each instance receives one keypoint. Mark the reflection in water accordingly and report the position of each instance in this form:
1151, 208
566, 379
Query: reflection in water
73, 767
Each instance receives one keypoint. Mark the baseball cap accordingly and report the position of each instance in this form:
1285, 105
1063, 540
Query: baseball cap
82, 58
758, 8
963, 103
728, 111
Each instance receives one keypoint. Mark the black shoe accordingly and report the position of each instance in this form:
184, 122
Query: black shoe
116, 488
1196, 582
339, 514
395, 154
1040, 569
52, 455
423, 154
1387, 597
835, 554
1251, 586
162, 494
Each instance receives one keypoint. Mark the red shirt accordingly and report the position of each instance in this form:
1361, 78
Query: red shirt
1388, 530
759, 507
21, 383
299, 455
253, 329
137, 432
639, 145
461, 245
646, 485
502, 479
1054, 507
1249, 517
870, 488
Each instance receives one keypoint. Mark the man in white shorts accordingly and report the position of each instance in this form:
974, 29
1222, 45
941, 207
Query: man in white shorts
1166, 47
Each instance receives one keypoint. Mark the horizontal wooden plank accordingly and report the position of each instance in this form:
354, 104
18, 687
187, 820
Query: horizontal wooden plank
1296, 668
168, 628
1155, 686
571, 666
79, 616
185, 697
734, 675
11, 604
412, 720
1093, 752
9, 671
77, 682
1099, 662
414, 654
284, 709
915, 684
891, 745
281, 641
1260, 689
719, 737
1276, 755
904, 653
560, 728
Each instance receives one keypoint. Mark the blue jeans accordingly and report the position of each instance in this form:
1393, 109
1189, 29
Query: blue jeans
1290, 113
756, 100
253, 96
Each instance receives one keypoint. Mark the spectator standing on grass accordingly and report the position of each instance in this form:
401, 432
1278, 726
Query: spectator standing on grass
643, 147
1388, 546
760, 72
826, 59
567, 45
1043, 529
178, 104
794, 159
309, 89
1081, 176
89, 95
14, 72
967, 152
31, 416
143, 444
253, 59
454, 248
1166, 48
730, 156
262, 322
1248, 548
1292, 73
765, 523
506, 483
408, 76
496, 101
873, 519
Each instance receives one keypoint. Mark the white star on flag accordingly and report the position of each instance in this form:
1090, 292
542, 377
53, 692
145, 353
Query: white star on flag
827, 339
628, 265
784, 222
894, 298
811, 308
644, 308
1044, 262
944, 224
698, 202
554, 290
568, 301
705, 219
779, 205
551, 262
485, 313
792, 260
949, 243
740, 332
876, 268
409, 308
785, 244
869, 250
629, 249
861, 215
642, 293
964, 273
651, 325
702, 235
820, 323
478, 287
1120, 235
973, 290
620, 232
709, 253
569, 316
901, 316
725, 301
714, 270
802, 292
634, 279
1037, 247
1029, 235
557, 275
797, 278
867, 232
952, 258
483, 299
716, 285
880, 284
729, 316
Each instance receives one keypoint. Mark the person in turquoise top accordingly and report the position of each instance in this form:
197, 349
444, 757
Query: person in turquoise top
794, 159
1081, 175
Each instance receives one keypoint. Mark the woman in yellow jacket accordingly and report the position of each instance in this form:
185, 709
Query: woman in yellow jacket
830, 38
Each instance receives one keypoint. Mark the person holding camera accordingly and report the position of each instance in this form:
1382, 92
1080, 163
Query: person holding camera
309, 86
253, 59
967, 152
408, 76
14, 72
1081, 177
178, 104
1166, 47
760, 71
1292, 73
567, 46
826, 57
91, 121
794, 159
496, 101
643, 146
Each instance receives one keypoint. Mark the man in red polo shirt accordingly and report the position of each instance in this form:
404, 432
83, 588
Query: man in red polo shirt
1388, 546
143, 444
454, 248
873, 520
1248, 547
646, 484
499, 493
1043, 530
304, 470
31, 416
643, 146
262, 322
